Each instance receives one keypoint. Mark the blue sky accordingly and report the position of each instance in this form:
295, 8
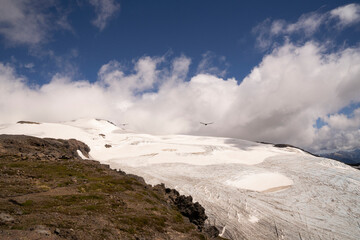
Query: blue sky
240, 58
138, 28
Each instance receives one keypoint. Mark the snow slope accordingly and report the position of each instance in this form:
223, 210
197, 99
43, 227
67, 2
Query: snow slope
249, 190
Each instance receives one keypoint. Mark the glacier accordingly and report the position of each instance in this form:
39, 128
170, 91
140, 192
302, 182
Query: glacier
249, 190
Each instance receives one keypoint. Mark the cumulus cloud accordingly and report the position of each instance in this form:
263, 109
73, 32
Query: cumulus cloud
344, 122
279, 101
29, 22
292, 86
105, 10
341, 131
347, 15
306, 26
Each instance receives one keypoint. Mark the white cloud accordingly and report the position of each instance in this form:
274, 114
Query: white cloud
307, 23
341, 132
285, 94
29, 22
29, 65
144, 78
212, 64
105, 10
347, 15
306, 26
279, 101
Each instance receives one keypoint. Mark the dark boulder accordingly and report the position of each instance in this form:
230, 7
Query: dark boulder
193, 211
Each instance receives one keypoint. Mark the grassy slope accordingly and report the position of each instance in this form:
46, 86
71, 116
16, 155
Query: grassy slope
47, 191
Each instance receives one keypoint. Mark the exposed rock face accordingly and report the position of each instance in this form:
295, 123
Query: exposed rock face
47, 148
194, 211
47, 191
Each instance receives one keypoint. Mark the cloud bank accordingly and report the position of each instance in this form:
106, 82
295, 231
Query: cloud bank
279, 101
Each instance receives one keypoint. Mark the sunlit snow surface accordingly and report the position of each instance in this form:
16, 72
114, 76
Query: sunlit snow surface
249, 190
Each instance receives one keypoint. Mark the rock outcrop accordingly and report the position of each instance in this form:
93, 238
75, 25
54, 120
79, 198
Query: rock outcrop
193, 211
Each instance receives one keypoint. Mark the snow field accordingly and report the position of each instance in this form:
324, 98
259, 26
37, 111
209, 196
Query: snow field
248, 189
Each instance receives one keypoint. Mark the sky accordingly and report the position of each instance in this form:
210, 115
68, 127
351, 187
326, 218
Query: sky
273, 71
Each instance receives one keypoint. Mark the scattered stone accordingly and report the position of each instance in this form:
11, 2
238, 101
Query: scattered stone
4, 217
212, 231
18, 212
74, 180
57, 231
108, 146
15, 202
41, 229
102, 135
27, 122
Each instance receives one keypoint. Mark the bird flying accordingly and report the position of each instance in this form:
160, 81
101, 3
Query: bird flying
205, 124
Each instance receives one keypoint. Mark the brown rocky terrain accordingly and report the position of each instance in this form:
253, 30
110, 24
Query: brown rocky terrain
49, 192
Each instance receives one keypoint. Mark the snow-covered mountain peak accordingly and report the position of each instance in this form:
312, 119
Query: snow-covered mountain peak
93, 124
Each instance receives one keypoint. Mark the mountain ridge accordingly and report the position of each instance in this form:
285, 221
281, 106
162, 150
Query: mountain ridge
351, 157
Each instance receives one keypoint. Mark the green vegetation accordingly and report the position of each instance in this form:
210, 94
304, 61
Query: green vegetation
84, 200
